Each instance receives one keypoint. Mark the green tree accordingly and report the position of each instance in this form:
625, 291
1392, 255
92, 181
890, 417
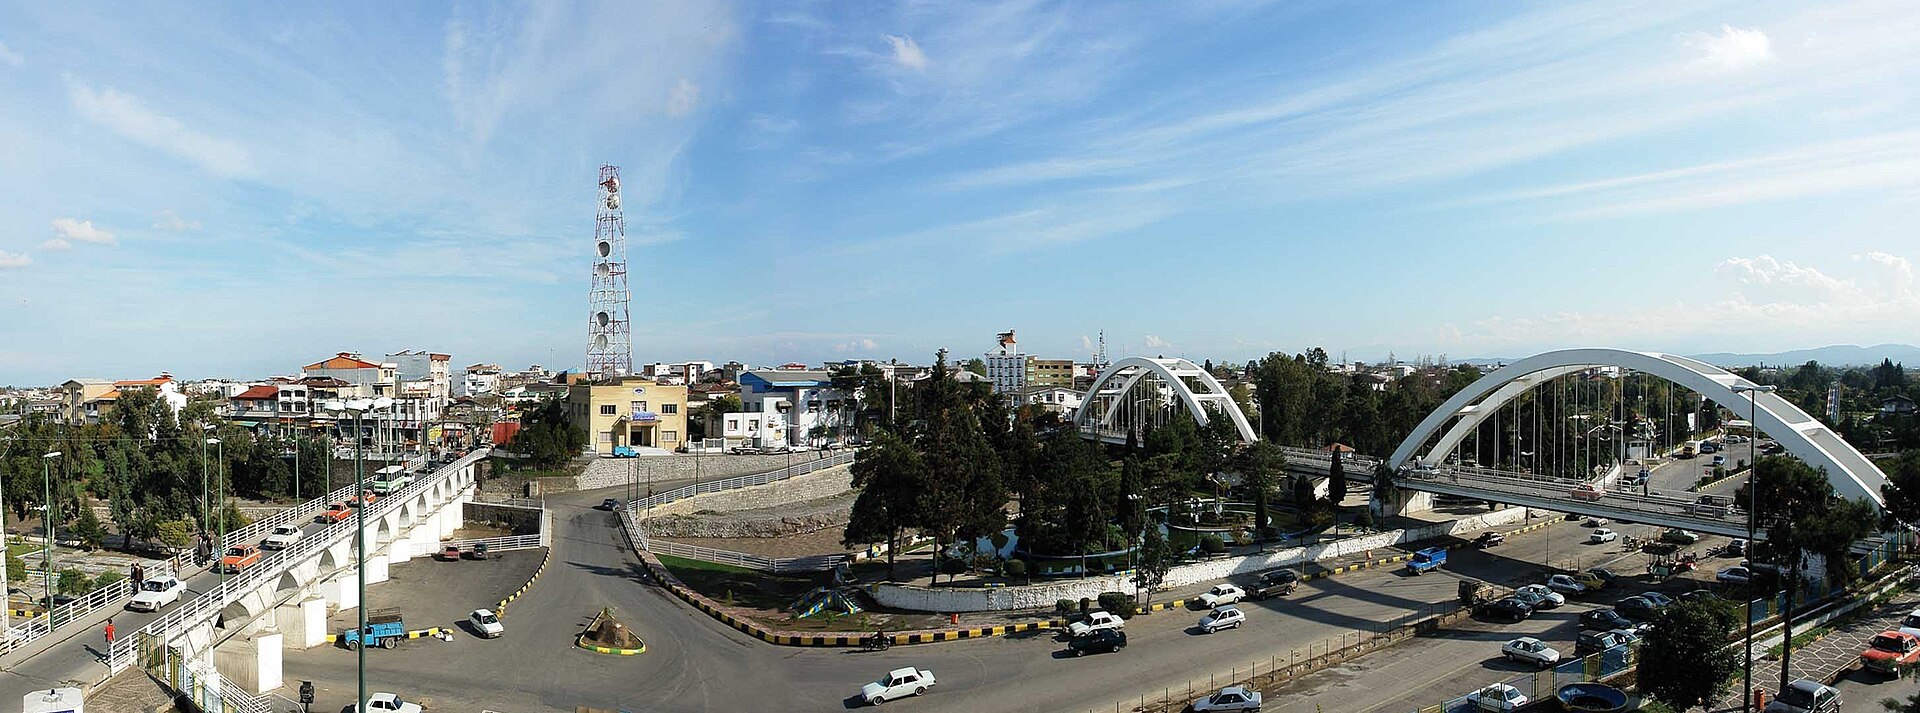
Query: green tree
1156, 558
1804, 517
976, 365
1262, 465
72, 582
892, 479
548, 436
1894, 705
88, 528
1684, 660
16, 569
1902, 489
964, 497
174, 533
1336, 480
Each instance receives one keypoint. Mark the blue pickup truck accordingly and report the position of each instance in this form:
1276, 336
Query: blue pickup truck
1429, 558
384, 629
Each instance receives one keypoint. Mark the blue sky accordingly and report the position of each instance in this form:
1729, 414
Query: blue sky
240, 188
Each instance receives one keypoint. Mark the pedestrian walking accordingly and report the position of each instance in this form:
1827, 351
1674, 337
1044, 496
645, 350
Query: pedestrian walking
109, 631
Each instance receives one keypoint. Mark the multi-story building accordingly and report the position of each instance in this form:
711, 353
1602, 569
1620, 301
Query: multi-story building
685, 372
1006, 366
364, 379
86, 400
782, 407
1062, 400
1049, 372
629, 411
423, 366
480, 379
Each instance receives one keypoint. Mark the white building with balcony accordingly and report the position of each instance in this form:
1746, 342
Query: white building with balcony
784, 407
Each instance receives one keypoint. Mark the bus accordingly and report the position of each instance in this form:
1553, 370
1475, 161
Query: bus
388, 479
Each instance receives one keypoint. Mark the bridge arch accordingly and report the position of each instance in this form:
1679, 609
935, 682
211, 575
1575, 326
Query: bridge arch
1105, 407
1852, 474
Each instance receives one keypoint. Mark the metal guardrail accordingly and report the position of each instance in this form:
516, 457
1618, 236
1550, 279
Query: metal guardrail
636, 517
497, 544
124, 651
512, 502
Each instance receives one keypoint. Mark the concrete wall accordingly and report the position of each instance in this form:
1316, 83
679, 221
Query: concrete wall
609, 472
818, 484
1044, 595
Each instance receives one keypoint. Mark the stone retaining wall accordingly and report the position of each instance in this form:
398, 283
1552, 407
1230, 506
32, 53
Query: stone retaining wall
609, 472
1044, 595
812, 486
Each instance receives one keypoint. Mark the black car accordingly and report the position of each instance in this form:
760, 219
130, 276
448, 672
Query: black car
609, 504
1100, 641
1605, 574
1510, 608
1277, 583
1593, 642
1489, 539
1637, 608
1604, 620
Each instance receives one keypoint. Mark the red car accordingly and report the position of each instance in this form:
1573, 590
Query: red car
335, 513
1890, 651
366, 498
240, 557
450, 553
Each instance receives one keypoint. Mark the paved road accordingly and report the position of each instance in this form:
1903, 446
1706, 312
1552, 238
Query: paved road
77, 656
696, 664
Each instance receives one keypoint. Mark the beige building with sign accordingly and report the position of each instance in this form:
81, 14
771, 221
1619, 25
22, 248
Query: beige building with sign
629, 411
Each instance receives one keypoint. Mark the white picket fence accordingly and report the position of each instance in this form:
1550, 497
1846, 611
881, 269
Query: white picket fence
636, 517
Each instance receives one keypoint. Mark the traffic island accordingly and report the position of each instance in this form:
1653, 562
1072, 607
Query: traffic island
607, 635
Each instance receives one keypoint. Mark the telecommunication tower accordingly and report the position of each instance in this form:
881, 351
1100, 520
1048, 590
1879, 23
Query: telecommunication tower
609, 334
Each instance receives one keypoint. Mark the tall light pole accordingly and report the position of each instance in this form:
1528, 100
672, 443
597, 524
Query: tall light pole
219, 471
1753, 392
46, 515
358, 408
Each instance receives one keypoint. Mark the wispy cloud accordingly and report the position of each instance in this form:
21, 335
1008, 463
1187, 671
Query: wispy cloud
169, 220
683, 98
1732, 49
9, 261
10, 57
907, 53
67, 230
131, 118
1155, 342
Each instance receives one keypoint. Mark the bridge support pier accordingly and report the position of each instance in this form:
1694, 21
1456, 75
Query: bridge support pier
304, 623
342, 590
1404, 502
424, 537
252, 663
453, 514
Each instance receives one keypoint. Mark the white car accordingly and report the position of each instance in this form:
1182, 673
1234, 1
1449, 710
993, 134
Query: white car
486, 624
1565, 584
1228, 617
1540, 596
1094, 622
1221, 595
388, 703
1602, 535
156, 593
1532, 650
1231, 698
281, 538
898, 683
1497, 697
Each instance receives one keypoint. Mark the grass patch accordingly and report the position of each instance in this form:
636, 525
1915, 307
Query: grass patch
739, 586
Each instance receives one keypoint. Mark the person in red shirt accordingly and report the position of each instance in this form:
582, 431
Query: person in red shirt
109, 632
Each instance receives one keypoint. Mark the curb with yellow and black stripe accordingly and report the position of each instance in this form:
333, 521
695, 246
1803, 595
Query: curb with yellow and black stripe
500, 610
581, 641
414, 634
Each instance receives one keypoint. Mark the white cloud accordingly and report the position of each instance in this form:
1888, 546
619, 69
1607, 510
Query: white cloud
171, 221
55, 244
684, 97
1732, 50
126, 115
12, 260
11, 57
906, 53
1155, 342
81, 231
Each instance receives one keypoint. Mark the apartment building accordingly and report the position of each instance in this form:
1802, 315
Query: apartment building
629, 411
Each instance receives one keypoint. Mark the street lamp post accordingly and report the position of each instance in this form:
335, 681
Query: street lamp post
1753, 392
46, 515
359, 408
206, 507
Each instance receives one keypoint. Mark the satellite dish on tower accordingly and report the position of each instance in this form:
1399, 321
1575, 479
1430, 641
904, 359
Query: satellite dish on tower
612, 185
613, 201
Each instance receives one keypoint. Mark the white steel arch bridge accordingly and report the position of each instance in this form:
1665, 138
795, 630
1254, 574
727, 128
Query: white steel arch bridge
1140, 392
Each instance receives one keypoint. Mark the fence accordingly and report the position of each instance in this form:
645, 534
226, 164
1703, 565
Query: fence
636, 513
125, 651
495, 544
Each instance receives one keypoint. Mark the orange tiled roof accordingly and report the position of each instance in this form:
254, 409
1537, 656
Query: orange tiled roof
343, 360
156, 381
258, 393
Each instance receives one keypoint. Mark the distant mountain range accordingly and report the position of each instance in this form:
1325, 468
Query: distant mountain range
1836, 355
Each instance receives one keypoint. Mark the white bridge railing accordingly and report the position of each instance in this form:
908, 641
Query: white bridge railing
124, 651
636, 515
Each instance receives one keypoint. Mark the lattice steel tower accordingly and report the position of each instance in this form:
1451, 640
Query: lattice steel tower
609, 334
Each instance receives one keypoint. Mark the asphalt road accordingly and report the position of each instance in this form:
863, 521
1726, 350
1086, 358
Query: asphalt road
694, 663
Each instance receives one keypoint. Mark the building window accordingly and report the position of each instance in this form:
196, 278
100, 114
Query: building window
607, 409
669, 436
606, 436
669, 408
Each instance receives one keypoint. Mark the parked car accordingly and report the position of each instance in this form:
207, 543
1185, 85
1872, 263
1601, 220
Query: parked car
1593, 642
449, 553
1510, 608
156, 593
744, 450
1734, 575
1228, 617
609, 504
335, 513
1659, 600
1104, 641
1604, 620
1679, 537
1489, 539
1805, 696
1604, 574
1592, 581
1602, 535
1539, 596
1221, 595
486, 623
1276, 583
1911, 620
1596, 522
1636, 608
1429, 558
388, 703
1737, 547
478, 551
1231, 698
898, 683
1095, 621
625, 452
1497, 697
1697, 595
1889, 651
239, 557
1565, 584
1527, 649
281, 538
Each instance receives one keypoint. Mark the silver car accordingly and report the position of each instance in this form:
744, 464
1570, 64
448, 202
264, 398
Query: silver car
1804, 696
1231, 698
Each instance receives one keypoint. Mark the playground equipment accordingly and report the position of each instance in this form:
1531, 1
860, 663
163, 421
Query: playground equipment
819, 599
